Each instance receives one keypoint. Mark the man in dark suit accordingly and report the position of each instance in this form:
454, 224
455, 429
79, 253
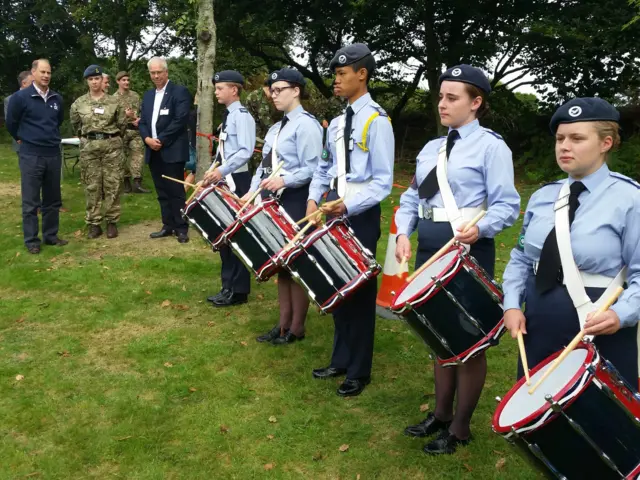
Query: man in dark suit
25, 79
163, 128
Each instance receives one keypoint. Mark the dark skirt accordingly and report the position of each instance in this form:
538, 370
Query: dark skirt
552, 322
433, 235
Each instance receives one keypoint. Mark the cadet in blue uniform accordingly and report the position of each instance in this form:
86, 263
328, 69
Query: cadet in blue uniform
480, 176
235, 148
357, 166
604, 227
296, 140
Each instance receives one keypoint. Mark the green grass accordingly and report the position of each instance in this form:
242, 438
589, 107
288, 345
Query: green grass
116, 385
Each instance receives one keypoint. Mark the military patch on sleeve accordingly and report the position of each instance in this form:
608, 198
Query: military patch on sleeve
325, 154
520, 244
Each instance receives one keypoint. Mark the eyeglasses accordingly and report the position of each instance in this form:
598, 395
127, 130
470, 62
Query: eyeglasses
276, 91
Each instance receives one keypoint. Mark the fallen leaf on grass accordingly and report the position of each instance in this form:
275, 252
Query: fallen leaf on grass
259, 296
64, 354
358, 476
20, 320
178, 306
468, 467
270, 437
17, 254
424, 407
244, 344
105, 267
184, 288
124, 438
500, 463
19, 377
224, 429
211, 324
147, 292
273, 419
165, 304
168, 365
318, 456
33, 474
344, 447
191, 389
269, 466
77, 233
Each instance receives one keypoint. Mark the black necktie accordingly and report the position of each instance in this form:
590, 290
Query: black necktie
550, 266
429, 187
225, 115
266, 161
347, 139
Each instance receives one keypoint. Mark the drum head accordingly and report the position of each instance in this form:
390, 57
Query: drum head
414, 289
519, 408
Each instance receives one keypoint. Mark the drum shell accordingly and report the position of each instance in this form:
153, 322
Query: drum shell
259, 236
459, 314
603, 409
211, 213
330, 263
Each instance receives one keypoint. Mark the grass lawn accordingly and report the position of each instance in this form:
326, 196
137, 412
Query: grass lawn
128, 373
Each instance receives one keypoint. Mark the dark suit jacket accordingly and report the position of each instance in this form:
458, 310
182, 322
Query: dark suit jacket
14, 144
171, 128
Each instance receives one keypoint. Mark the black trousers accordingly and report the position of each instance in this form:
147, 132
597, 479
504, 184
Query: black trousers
40, 174
234, 274
355, 319
171, 195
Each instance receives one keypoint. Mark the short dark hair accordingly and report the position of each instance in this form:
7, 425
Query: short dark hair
474, 92
304, 95
22, 76
367, 62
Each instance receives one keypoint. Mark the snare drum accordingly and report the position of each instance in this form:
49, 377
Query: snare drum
583, 422
259, 236
454, 306
330, 263
211, 212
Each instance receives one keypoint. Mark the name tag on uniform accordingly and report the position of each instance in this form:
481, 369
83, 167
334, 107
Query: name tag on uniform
223, 136
164, 111
99, 111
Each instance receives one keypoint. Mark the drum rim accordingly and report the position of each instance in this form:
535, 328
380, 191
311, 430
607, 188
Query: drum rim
495, 333
401, 308
591, 355
189, 206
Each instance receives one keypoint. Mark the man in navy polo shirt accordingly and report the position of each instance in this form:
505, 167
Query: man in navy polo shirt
33, 120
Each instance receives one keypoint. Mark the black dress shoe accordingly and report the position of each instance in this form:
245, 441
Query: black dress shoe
445, 444
288, 337
328, 372
182, 237
270, 335
353, 387
162, 233
428, 426
222, 293
58, 242
34, 250
230, 300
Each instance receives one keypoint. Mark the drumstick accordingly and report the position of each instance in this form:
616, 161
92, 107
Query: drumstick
179, 181
576, 340
403, 262
299, 235
195, 192
446, 247
257, 192
308, 217
523, 357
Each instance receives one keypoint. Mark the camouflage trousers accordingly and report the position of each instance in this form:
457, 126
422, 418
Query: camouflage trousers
101, 174
133, 149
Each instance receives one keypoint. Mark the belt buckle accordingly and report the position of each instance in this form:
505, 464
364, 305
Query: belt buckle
427, 213
99, 136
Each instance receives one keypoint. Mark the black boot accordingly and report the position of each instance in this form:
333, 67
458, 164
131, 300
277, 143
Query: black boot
127, 185
137, 186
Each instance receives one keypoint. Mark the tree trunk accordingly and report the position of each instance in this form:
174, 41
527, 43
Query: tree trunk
206, 39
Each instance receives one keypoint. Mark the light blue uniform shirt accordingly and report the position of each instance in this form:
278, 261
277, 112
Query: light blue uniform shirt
241, 138
374, 165
299, 146
479, 168
605, 236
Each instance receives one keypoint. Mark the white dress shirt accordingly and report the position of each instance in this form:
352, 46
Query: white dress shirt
156, 108
42, 93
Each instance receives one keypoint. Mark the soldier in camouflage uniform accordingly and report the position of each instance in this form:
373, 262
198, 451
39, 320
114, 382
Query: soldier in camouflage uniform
132, 143
99, 120
262, 110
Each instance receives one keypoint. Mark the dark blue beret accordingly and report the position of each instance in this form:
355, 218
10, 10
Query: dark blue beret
287, 75
467, 74
349, 55
590, 109
92, 71
230, 76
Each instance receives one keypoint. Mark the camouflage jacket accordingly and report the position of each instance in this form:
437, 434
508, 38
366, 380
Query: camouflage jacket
104, 115
129, 100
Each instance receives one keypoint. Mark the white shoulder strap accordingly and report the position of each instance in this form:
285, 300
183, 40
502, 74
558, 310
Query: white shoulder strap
450, 206
221, 140
572, 277
342, 157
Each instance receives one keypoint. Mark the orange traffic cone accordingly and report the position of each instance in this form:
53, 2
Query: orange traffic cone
394, 275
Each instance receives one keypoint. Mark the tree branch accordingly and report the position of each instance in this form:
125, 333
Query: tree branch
153, 42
